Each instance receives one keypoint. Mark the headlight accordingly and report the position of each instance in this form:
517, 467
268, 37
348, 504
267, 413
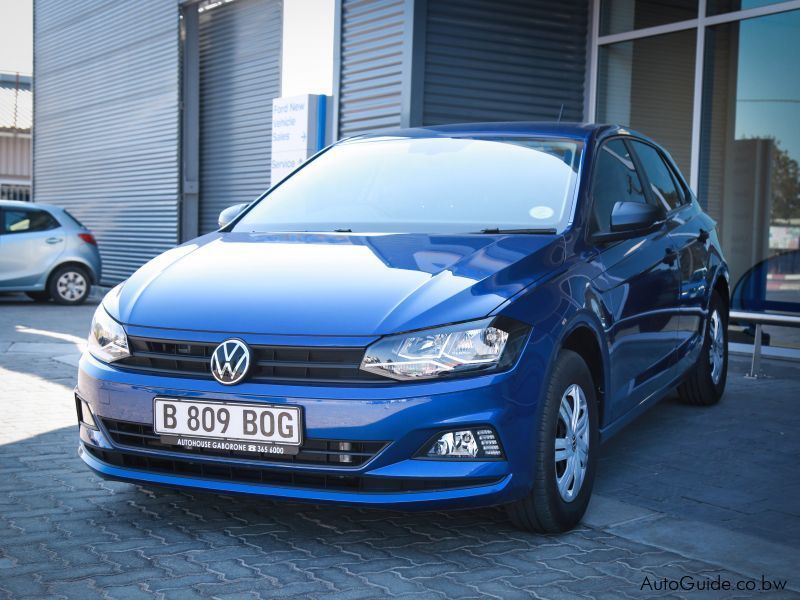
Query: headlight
107, 339
466, 347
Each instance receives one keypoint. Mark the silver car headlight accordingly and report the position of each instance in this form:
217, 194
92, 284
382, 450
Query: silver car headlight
107, 339
483, 345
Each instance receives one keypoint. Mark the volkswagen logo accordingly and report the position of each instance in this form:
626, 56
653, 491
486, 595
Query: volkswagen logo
230, 362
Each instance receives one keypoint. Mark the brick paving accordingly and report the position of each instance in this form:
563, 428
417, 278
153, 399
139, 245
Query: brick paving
682, 492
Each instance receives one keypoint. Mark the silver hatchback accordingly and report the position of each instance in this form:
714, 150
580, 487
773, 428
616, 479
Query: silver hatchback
46, 253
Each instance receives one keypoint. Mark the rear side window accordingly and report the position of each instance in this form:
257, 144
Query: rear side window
74, 219
615, 180
24, 220
665, 190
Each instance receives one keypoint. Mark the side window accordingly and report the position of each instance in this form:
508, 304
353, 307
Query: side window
23, 220
615, 180
665, 190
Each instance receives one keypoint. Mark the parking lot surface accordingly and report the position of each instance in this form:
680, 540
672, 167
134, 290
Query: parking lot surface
683, 496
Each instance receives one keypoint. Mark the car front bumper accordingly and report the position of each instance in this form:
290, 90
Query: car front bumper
404, 416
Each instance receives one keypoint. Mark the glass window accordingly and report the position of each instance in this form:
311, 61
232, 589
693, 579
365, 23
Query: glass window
14, 191
426, 185
648, 85
749, 177
615, 180
716, 7
662, 184
25, 220
617, 16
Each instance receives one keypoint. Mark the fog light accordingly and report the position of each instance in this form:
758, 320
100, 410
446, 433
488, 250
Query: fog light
345, 458
467, 443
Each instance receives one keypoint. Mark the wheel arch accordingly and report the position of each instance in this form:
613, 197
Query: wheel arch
72, 263
721, 286
584, 337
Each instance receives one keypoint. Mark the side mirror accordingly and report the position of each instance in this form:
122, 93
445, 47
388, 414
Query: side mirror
629, 219
633, 216
230, 213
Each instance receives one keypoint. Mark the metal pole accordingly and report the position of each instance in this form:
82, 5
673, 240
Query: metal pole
755, 366
190, 131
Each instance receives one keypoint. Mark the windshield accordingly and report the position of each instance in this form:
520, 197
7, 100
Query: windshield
425, 185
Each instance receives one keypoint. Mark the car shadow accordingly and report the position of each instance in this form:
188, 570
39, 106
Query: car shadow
49, 462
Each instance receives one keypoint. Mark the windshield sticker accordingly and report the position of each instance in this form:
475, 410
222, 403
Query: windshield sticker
541, 212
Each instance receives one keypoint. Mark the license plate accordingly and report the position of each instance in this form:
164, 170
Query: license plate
263, 428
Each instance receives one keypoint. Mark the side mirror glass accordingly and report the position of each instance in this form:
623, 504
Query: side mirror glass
230, 213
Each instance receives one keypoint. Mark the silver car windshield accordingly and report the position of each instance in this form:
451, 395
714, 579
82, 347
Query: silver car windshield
426, 185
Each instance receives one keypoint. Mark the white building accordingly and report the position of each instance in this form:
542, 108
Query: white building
16, 113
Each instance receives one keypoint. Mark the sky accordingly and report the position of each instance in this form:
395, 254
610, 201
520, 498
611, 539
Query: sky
16, 36
307, 53
307, 47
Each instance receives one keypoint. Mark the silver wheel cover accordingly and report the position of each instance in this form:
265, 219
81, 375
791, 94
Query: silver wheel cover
716, 346
71, 286
572, 443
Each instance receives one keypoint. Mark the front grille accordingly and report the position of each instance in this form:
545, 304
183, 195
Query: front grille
341, 453
295, 479
280, 364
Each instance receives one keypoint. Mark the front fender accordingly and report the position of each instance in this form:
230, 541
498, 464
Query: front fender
559, 307
718, 269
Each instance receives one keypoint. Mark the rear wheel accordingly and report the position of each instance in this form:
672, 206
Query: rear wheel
38, 296
69, 285
566, 451
705, 385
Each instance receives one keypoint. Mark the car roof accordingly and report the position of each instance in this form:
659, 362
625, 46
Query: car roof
23, 204
578, 131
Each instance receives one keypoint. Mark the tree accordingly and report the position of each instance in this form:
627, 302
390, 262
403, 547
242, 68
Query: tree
785, 187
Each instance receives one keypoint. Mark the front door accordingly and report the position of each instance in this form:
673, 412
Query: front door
30, 241
639, 288
689, 230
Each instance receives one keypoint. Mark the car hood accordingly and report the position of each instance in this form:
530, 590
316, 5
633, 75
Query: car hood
331, 284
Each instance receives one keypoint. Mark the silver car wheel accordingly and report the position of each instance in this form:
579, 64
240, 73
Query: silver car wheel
71, 286
572, 443
716, 346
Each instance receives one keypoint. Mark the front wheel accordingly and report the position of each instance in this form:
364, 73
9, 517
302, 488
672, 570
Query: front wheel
566, 451
705, 385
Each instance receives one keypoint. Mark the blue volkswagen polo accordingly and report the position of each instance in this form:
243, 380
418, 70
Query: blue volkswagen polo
444, 317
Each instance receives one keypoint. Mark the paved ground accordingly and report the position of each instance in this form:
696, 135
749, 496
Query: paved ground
683, 492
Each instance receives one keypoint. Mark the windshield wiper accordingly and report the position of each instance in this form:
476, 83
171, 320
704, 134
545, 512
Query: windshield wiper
542, 231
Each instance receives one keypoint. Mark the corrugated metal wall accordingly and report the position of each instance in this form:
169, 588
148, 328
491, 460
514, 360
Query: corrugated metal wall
510, 60
469, 60
371, 65
106, 108
240, 74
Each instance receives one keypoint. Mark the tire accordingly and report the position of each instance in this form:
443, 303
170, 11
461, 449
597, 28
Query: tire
69, 285
546, 509
705, 384
38, 296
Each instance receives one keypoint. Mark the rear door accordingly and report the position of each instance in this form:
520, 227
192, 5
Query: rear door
30, 242
689, 231
639, 286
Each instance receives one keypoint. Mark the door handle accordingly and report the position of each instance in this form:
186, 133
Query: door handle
670, 256
54, 240
702, 237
